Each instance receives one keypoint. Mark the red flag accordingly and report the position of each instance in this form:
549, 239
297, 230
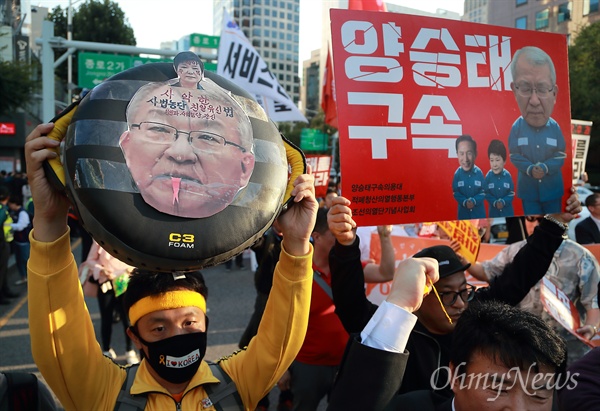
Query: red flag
328, 94
369, 5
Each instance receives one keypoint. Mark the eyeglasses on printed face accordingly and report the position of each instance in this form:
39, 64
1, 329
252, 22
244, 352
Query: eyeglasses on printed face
449, 297
526, 90
160, 133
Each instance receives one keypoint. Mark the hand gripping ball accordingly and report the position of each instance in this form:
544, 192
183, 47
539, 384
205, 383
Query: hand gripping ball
172, 171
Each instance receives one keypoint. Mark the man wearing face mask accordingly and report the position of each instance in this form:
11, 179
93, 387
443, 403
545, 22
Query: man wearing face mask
167, 312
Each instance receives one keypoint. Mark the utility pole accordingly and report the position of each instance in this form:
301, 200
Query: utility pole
70, 58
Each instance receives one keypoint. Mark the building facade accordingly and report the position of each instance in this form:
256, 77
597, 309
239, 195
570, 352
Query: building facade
311, 81
273, 29
555, 16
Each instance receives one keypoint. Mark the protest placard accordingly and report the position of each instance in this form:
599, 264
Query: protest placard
408, 86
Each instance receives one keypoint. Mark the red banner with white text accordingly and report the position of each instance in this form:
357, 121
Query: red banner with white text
408, 86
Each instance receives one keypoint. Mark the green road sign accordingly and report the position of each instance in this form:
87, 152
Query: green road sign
94, 68
204, 41
313, 140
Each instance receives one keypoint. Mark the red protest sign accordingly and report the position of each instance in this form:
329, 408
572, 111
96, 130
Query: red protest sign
562, 309
408, 86
321, 167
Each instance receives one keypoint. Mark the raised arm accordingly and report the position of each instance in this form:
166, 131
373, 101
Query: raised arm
384, 271
347, 276
533, 260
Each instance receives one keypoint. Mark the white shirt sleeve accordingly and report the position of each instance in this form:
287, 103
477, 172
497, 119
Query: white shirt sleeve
389, 328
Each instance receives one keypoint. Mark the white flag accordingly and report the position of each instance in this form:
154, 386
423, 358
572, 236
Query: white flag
239, 62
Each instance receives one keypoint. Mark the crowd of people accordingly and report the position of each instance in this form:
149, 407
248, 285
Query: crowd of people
16, 212
436, 342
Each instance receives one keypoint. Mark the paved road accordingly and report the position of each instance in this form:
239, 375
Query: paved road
230, 305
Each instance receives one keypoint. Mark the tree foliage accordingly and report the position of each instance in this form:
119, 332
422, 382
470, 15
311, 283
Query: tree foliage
584, 77
16, 85
100, 21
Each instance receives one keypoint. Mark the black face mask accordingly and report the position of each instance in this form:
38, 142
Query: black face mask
176, 359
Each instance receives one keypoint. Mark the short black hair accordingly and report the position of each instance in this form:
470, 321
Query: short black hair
144, 283
508, 335
591, 199
497, 147
466, 137
4, 193
187, 56
321, 226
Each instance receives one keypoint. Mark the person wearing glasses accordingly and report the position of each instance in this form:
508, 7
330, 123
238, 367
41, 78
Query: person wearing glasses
189, 152
430, 342
536, 143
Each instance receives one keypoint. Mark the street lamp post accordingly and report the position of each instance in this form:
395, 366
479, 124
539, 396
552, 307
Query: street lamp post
70, 57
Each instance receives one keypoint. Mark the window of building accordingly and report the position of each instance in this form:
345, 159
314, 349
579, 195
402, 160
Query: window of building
266, 32
520, 2
256, 43
521, 23
281, 66
257, 11
274, 24
281, 25
267, 2
266, 53
541, 19
564, 12
257, 2
590, 6
256, 22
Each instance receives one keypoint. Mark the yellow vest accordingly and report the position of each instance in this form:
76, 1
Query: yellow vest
6, 225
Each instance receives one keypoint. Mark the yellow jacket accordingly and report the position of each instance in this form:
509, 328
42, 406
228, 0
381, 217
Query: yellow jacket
67, 354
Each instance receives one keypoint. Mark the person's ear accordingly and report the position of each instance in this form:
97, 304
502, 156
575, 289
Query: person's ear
124, 137
132, 335
555, 90
247, 168
513, 88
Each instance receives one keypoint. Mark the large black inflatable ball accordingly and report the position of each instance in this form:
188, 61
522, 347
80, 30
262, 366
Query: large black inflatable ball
118, 216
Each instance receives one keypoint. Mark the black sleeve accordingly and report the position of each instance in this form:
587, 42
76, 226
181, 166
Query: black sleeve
528, 267
348, 287
582, 234
580, 386
368, 378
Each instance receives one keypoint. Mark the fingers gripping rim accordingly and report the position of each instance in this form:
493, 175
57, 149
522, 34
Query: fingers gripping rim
53, 168
297, 163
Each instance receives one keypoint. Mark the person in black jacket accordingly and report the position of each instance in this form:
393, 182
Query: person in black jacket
373, 363
502, 358
431, 340
588, 231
